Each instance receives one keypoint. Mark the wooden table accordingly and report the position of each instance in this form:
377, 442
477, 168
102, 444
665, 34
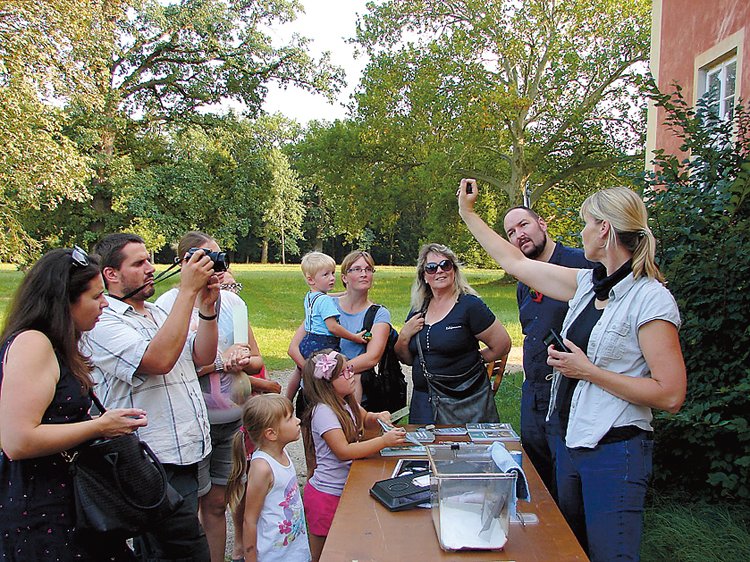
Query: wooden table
365, 531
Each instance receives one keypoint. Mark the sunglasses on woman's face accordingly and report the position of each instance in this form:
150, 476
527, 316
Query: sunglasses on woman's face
432, 267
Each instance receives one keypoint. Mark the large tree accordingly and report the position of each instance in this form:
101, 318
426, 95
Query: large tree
174, 61
538, 91
46, 52
90, 81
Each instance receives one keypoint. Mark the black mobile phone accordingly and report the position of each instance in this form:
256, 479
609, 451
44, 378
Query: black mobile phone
555, 340
469, 187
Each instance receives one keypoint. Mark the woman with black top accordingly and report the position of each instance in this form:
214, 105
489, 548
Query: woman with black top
448, 320
44, 410
623, 358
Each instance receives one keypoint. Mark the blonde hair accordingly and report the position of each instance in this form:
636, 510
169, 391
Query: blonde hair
421, 293
321, 391
626, 214
262, 412
313, 262
351, 257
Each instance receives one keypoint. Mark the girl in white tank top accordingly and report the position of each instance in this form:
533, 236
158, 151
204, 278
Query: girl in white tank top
274, 522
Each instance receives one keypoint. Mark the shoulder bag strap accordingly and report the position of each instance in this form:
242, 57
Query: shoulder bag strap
421, 358
97, 402
370, 317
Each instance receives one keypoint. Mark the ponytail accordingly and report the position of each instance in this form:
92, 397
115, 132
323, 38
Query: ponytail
626, 213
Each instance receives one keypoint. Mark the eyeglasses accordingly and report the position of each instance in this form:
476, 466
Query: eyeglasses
348, 372
79, 257
357, 270
432, 267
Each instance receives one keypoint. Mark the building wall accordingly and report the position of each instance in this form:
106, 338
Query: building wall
686, 36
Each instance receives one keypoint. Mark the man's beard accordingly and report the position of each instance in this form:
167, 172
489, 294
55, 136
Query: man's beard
144, 294
537, 249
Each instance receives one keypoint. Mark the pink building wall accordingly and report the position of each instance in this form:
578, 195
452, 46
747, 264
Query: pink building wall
686, 34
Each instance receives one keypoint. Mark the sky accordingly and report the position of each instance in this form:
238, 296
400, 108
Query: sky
328, 23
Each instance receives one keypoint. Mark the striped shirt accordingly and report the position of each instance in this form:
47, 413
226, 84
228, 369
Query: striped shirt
178, 429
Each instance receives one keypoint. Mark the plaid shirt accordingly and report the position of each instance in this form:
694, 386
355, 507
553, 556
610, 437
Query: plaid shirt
178, 428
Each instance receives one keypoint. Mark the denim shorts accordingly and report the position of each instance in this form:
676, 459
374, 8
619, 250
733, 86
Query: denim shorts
316, 342
215, 468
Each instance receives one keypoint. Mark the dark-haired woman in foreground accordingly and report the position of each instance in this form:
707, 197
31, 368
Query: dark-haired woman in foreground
624, 359
44, 410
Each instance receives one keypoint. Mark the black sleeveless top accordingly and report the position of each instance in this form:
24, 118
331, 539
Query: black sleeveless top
37, 509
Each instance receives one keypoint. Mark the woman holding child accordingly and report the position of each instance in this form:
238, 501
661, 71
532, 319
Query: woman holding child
623, 358
357, 275
440, 340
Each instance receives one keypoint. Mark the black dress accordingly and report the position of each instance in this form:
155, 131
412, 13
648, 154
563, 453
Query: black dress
37, 509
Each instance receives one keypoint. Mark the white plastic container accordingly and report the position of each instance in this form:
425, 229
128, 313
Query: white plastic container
470, 497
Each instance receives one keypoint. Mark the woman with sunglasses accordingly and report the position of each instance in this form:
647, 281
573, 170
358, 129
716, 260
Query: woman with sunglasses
44, 411
620, 358
440, 340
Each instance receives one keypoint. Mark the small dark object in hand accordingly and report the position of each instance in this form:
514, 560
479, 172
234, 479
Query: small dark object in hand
555, 340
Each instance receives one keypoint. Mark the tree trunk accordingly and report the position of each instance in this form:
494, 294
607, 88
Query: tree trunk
264, 251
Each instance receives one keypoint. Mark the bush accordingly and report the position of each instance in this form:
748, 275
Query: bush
701, 218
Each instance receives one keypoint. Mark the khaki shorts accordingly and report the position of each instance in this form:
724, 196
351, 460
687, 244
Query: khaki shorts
215, 468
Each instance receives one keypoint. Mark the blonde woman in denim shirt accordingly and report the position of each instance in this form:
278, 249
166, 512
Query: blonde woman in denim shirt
624, 359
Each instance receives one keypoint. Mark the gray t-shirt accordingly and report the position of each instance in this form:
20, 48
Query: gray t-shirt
331, 473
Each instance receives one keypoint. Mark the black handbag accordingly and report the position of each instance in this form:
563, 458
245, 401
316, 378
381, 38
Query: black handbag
119, 485
384, 385
460, 399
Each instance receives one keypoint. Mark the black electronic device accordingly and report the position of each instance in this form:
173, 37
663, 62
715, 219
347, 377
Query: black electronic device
402, 492
555, 341
220, 259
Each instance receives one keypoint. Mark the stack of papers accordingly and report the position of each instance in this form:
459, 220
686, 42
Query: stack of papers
491, 432
406, 451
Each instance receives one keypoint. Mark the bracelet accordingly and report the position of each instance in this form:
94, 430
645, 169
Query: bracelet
204, 317
219, 364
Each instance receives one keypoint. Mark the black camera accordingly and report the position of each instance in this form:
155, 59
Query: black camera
220, 259
555, 341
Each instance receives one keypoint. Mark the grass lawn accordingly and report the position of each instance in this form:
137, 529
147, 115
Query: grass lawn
676, 528
274, 294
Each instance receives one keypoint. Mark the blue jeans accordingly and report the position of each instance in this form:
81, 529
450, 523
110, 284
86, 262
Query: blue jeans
420, 409
601, 492
536, 436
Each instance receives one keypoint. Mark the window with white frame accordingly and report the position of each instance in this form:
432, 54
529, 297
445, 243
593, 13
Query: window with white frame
720, 81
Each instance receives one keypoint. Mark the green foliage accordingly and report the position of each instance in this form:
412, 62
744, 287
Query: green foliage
687, 530
40, 47
702, 221
522, 94
105, 103
283, 212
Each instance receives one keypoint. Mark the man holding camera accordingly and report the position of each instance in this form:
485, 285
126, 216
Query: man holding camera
538, 314
144, 358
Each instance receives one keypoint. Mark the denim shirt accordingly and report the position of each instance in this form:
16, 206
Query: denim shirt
613, 346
